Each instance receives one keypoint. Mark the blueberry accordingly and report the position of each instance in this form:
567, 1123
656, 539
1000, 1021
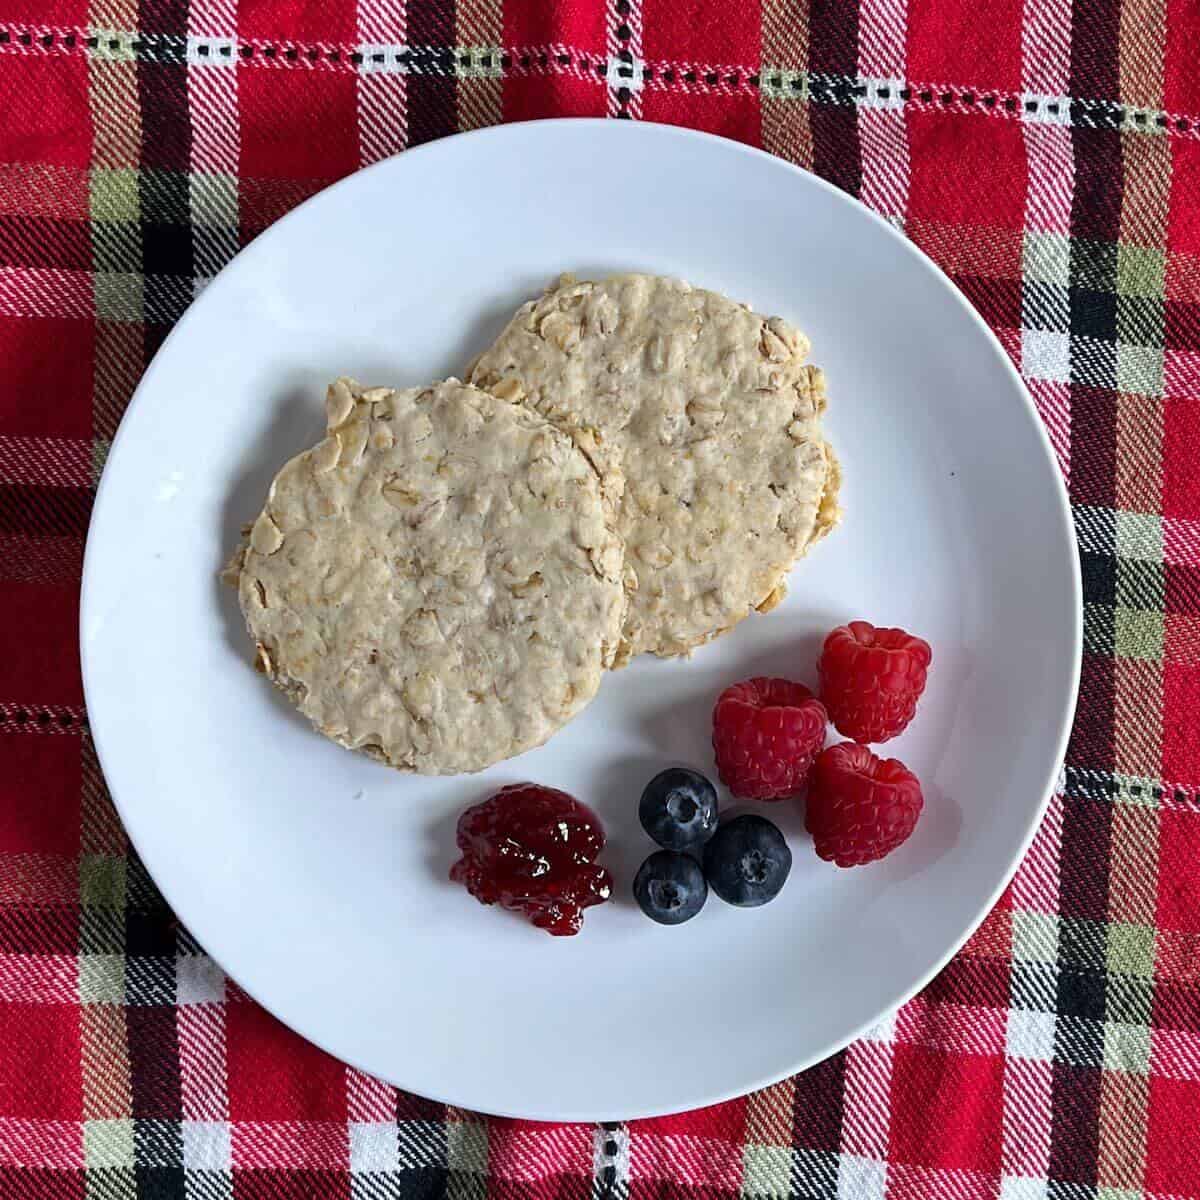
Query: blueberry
678, 809
747, 862
670, 887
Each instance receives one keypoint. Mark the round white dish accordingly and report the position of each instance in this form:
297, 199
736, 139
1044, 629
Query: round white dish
318, 879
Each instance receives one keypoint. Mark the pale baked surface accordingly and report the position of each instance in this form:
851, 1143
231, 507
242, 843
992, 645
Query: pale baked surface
712, 416
437, 582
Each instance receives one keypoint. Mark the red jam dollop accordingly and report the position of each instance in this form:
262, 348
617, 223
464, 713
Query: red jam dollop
531, 849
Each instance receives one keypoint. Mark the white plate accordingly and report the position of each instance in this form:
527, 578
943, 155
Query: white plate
318, 879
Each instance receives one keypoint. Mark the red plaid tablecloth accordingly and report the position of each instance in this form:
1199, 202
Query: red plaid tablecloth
1046, 155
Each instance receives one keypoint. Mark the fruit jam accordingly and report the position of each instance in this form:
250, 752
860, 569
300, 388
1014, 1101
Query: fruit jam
531, 849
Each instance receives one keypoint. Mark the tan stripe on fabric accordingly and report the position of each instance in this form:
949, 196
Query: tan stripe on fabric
30, 878
119, 362
785, 33
1132, 890
43, 190
1138, 671
770, 1115
479, 23
105, 1062
34, 558
116, 117
786, 131
993, 251
1138, 718
993, 938
1122, 1129
116, 114
113, 14
1143, 38
479, 102
467, 1154
100, 827
1147, 169
1139, 452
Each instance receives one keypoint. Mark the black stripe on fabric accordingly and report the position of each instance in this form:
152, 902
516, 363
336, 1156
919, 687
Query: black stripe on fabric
836, 155
1100, 629
1181, 587
1075, 1131
417, 1108
149, 981
429, 60
1082, 781
158, 1148
27, 930
832, 89
154, 1061
1045, 306
165, 299
1094, 370
168, 260
833, 63
166, 134
820, 1096
167, 49
1091, 745
833, 37
998, 301
1096, 205
1093, 314
1083, 887
432, 87
161, 1183
37, 511
159, 17
150, 932
1097, 114
1094, 408
1079, 1041
1083, 904
970, 981
1095, 227
432, 107
1082, 941
423, 1145
418, 1183
1177, 1006
814, 1176
45, 242
1095, 37
53, 1183
1099, 578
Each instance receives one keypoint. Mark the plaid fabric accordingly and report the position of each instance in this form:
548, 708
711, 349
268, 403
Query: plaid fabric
1046, 155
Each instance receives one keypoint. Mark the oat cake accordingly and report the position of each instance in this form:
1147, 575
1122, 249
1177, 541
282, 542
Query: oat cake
712, 416
437, 582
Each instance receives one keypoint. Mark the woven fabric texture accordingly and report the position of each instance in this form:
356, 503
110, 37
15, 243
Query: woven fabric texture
1046, 154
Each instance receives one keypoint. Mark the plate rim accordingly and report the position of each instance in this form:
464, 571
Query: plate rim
1063, 512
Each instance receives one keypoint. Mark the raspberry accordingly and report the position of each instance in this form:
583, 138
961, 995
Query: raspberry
766, 733
860, 807
531, 849
871, 679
